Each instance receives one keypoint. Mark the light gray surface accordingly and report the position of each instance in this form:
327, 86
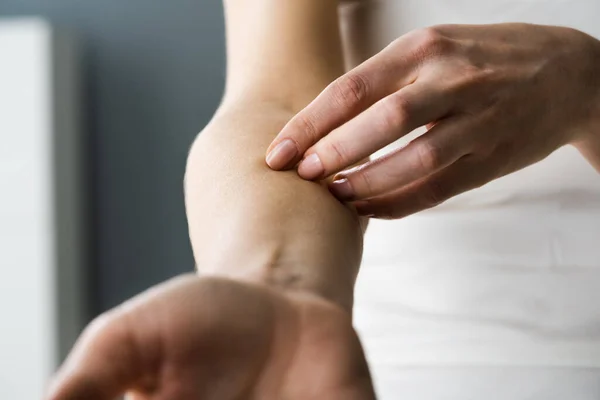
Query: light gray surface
42, 240
68, 192
154, 74
463, 383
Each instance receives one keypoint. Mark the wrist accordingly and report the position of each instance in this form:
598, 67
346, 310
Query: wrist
279, 266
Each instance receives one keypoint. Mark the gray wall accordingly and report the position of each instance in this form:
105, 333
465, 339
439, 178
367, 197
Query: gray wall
154, 74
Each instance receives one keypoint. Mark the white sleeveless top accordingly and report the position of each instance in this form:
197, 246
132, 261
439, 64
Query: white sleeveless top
507, 275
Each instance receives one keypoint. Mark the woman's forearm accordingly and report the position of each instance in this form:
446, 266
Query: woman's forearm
281, 51
249, 222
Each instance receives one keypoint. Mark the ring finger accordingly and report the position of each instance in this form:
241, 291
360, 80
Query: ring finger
433, 151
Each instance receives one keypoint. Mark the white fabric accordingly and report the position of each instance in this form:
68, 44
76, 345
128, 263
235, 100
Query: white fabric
485, 383
499, 287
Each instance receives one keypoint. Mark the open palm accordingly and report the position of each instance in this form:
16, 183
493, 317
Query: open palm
207, 338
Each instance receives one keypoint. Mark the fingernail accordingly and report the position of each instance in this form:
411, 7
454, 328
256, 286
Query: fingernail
282, 154
311, 167
342, 189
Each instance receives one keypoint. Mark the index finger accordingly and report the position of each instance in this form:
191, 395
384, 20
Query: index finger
342, 100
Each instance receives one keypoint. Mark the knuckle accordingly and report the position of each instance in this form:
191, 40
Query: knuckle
396, 111
307, 128
429, 156
337, 153
350, 90
471, 77
474, 72
430, 42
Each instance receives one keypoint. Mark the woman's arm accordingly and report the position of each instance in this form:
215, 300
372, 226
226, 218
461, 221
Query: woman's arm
245, 220
291, 251
249, 222
284, 52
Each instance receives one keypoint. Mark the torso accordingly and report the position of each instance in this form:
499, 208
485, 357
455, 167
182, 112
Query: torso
504, 276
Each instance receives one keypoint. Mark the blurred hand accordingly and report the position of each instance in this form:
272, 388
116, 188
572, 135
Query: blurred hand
206, 338
495, 98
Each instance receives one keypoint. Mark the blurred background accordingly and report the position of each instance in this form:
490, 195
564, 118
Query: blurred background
150, 75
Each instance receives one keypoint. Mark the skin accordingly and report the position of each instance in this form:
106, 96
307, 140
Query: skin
268, 316
213, 338
301, 237
495, 99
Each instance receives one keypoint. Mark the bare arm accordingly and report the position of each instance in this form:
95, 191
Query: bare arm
245, 220
281, 51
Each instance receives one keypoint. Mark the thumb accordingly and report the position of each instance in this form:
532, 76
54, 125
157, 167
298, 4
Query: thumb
103, 364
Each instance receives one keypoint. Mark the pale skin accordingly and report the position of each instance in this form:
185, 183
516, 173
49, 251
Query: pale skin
495, 99
269, 314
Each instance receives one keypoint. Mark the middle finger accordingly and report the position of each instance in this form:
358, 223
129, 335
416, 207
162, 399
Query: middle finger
389, 119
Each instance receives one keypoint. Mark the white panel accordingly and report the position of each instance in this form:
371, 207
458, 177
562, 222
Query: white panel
40, 224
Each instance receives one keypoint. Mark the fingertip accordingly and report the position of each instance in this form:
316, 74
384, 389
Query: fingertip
311, 168
282, 154
342, 189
